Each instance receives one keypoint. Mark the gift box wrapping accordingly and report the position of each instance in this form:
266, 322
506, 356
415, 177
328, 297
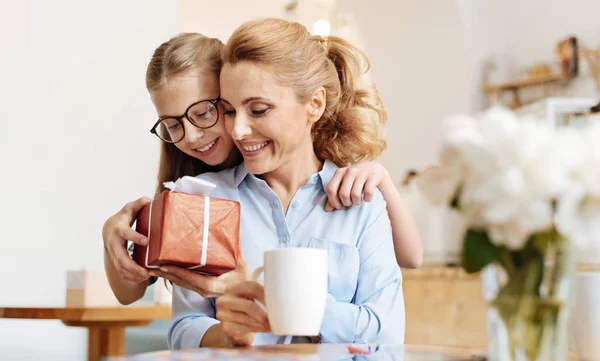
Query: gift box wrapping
190, 231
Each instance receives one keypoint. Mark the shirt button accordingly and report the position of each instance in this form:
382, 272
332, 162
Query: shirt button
274, 202
295, 204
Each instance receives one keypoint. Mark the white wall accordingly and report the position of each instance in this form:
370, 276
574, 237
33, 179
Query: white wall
218, 19
419, 64
523, 33
74, 147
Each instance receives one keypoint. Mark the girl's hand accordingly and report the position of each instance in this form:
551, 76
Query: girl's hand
349, 184
116, 232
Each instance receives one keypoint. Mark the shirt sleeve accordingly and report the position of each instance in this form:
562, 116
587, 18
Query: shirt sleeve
376, 313
192, 316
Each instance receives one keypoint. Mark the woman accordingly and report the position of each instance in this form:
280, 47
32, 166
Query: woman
296, 105
183, 81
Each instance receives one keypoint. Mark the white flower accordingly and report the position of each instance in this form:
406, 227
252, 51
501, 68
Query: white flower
589, 172
460, 139
504, 206
438, 184
506, 173
578, 217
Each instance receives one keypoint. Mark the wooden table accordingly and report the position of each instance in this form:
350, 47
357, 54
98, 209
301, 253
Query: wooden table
316, 352
106, 325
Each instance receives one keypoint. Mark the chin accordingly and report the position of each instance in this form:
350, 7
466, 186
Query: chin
215, 161
257, 167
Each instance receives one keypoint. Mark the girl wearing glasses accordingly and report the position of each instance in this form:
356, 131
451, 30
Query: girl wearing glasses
183, 81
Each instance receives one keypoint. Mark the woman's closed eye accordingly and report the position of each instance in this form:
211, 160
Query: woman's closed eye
259, 112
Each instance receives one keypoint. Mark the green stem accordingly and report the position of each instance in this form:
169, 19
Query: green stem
508, 263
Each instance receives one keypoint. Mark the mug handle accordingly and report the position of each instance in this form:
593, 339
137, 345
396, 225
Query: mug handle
257, 272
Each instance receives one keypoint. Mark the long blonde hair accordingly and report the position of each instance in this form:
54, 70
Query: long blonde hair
351, 127
180, 55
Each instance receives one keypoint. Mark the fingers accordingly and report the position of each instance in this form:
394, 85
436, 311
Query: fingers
168, 276
346, 188
127, 233
124, 263
240, 316
244, 319
349, 186
356, 193
133, 208
333, 187
329, 207
248, 289
127, 275
245, 340
181, 283
228, 305
237, 331
207, 286
369, 189
242, 266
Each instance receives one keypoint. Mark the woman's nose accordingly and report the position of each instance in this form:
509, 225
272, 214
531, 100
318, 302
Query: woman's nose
241, 128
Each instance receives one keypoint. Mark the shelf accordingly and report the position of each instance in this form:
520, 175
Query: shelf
524, 83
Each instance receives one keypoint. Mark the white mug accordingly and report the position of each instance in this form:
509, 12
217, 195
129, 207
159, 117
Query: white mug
586, 317
295, 290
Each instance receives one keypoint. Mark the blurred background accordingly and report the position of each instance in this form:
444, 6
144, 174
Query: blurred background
75, 116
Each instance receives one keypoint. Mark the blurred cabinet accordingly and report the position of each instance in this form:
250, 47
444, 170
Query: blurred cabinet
444, 306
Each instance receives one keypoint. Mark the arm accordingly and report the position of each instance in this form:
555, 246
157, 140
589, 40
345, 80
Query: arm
194, 324
376, 313
125, 291
407, 242
127, 279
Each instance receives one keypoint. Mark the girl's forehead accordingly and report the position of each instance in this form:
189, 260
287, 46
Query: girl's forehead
179, 92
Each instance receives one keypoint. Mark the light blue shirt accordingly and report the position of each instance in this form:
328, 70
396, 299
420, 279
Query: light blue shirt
365, 303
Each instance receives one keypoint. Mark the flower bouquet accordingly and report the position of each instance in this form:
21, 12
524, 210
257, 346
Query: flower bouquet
529, 194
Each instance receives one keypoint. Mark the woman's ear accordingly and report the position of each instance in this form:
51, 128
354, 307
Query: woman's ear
316, 105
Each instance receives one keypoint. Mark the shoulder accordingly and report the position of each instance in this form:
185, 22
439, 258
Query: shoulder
375, 210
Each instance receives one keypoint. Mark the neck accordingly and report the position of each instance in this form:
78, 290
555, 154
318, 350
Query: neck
290, 176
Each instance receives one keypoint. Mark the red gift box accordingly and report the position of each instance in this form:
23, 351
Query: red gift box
191, 231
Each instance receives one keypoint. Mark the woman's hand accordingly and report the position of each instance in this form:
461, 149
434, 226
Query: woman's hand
206, 286
240, 316
116, 232
348, 184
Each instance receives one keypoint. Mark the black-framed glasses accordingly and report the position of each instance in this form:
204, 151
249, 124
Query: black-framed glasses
203, 114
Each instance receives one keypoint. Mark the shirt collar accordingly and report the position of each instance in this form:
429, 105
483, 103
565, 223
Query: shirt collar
240, 174
325, 175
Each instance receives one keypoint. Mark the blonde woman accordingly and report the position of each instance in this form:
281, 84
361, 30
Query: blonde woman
183, 81
297, 106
